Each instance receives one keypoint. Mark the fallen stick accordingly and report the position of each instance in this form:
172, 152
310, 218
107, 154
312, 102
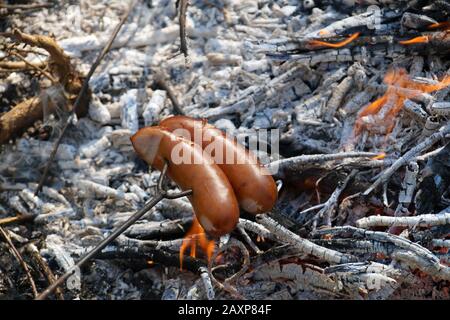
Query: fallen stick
20, 65
300, 163
275, 254
256, 228
286, 236
27, 112
356, 246
58, 58
161, 255
247, 239
424, 221
410, 253
35, 67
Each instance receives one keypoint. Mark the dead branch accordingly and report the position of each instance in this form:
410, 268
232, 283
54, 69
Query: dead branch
256, 228
423, 221
29, 111
20, 65
298, 164
413, 254
63, 67
286, 236
35, 67
248, 240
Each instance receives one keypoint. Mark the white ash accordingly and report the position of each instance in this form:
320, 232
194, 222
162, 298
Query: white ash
93, 148
154, 108
129, 114
98, 111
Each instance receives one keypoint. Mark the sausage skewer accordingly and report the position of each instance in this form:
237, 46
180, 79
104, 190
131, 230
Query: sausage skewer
160, 194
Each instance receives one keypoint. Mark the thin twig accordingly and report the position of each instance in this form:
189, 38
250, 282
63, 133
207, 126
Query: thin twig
286, 236
248, 239
32, 66
327, 212
182, 8
20, 260
31, 248
30, 6
10, 220
83, 91
163, 84
226, 285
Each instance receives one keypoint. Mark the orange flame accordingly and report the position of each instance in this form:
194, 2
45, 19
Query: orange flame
440, 25
421, 39
400, 88
381, 156
196, 236
334, 45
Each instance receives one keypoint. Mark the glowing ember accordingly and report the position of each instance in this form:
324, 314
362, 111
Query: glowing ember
384, 109
381, 156
196, 236
334, 45
440, 25
421, 39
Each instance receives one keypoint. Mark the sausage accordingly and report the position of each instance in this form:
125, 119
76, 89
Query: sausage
213, 199
253, 185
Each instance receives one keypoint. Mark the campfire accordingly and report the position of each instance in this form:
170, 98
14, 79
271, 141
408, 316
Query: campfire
322, 171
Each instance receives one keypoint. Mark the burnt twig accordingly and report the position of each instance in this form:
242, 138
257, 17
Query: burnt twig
31, 248
19, 258
308, 247
182, 9
161, 83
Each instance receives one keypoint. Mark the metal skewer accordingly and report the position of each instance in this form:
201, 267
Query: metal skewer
160, 194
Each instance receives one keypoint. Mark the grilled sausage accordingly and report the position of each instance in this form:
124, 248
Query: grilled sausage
253, 185
212, 198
